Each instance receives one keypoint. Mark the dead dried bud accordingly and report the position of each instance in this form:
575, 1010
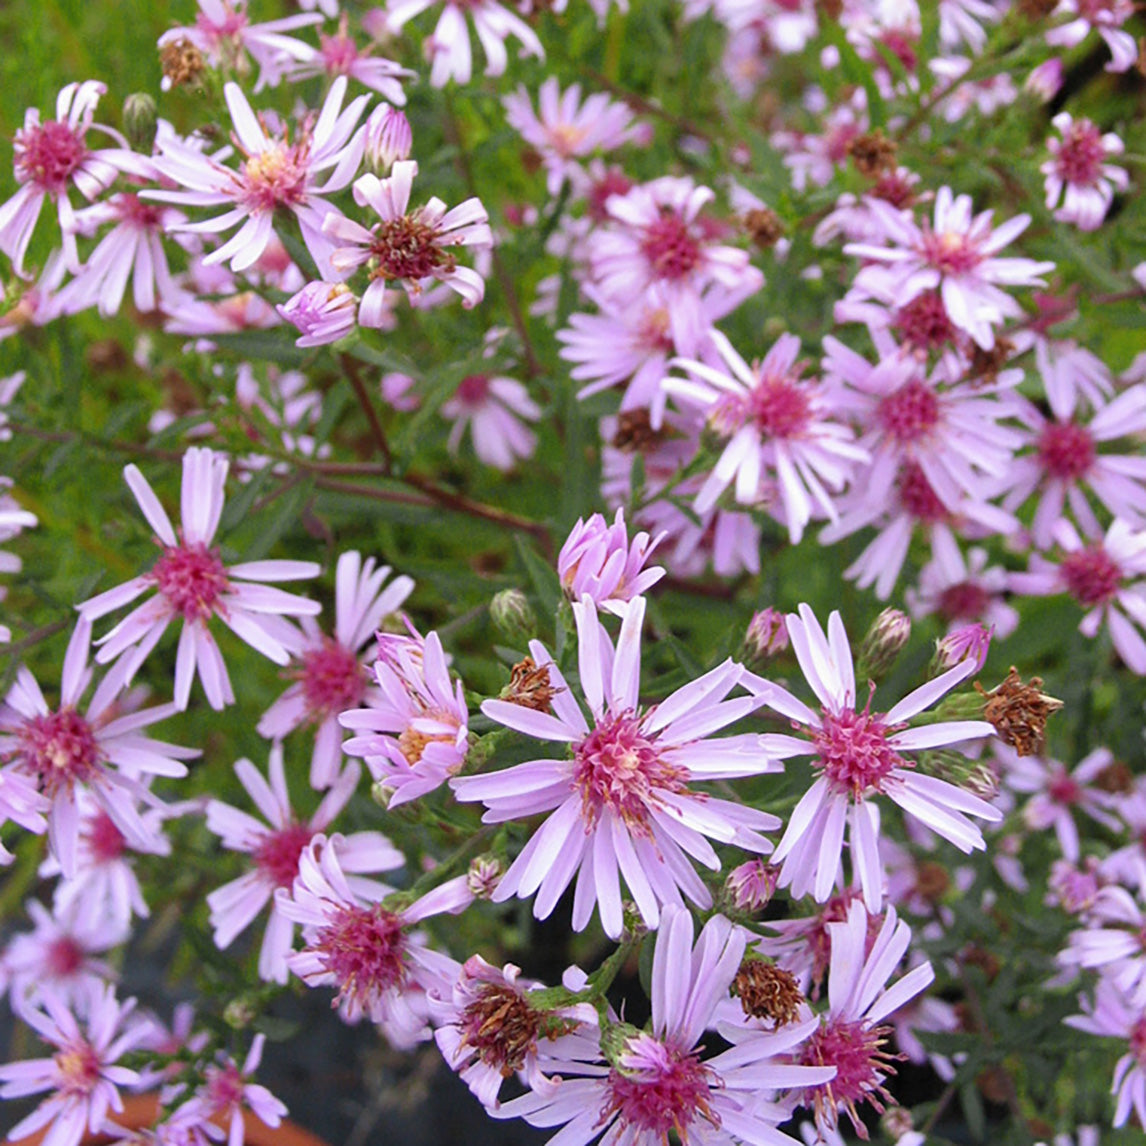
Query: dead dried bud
1115, 777
530, 686
635, 433
931, 880
1036, 9
1019, 712
976, 956
985, 364
766, 991
182, 62
763, 227
873, 153
502, 1028
830, 9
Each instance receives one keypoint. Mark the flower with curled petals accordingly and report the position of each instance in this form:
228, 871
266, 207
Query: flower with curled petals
410, 247
860, 754
621, 803
192, 582
599, 562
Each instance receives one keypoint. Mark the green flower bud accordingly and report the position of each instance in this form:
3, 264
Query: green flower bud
139, 121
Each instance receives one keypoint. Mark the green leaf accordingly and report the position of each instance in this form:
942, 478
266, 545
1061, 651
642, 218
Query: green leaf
541, 574
263, 346
857, 72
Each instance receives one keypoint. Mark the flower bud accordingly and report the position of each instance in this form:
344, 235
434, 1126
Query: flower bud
483, 876
381, 793
322, 313
513, 616
751, 886
969, 642
139, 121
388, 137
239, 1014
767, 635
896, 1122
886, 637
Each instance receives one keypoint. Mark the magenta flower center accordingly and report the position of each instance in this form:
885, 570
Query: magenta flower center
1091, 576
364, 948
48, 155
965, 601
473, 389
660, 1090
407, 248
275, 177
854, 751
613, 182
924, 322
911, 413
64, 957
1066, 450
917, 497
853, 1048
60, 748
339, 53
780, 408
229, 28
1063, 789
224, 1087
1138, 1041
332, 680
669, 247
1080, 155
79, 1068
950, 252
105, 841
617, 767
277, 855
192, 578
133, 210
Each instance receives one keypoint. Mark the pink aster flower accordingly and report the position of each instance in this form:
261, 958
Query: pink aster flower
956, 254
1105, 17
851, 1034
564, 128
655, 1082
323, 313
411, 247
621, 803
449, 47
331, 677
61, 754
487, 1029
193, 583
773, 423
859, 754
275, 174
657, 235
339, 55
131, 250
1105, 576
82, 1075
275, 848
223, 32
417, 725
1072, 457
1112, 942
1078, 175
50, 159
366, 951
599, 562
962, 590
1113, 1015
494, 408
226, 1092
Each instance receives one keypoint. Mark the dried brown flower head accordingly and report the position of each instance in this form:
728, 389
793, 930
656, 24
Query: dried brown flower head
530, 686
1019, 712
182, 62
873, 153
766, 991
763, 227
635, 433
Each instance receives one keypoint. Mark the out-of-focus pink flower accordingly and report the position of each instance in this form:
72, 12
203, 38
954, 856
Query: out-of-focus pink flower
339, 55
50, 159
859, 755
622, 805
192, 582
331, 678
415, 732
1078, 175
276, 174
494, 408
1045, 80
226, 1092
275, 851
59, 753
448, 49
82, 1075
1106, 18
599, 562
565, 129
323, 313
410, 247
1113, 1015
354, 944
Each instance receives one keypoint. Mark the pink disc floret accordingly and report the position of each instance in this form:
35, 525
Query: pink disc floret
61, 749
659, 1089
332, 679
192, 578
1066, 450
911, 413
854, 750
277, 854
1091, 576
48, 154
